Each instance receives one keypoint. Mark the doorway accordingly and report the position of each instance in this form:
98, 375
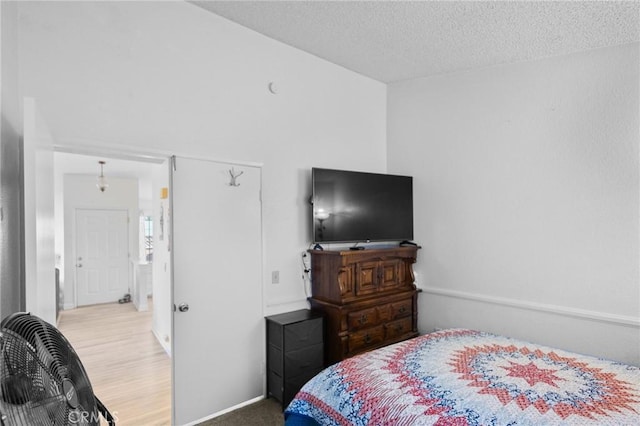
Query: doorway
237, 229
108, 228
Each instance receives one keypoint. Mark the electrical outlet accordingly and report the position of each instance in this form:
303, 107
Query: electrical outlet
275, 277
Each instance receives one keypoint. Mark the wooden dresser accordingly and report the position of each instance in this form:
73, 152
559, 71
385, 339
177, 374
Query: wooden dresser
368, 298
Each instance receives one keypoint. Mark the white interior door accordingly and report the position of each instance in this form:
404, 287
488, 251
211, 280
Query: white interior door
102, 255
218, 343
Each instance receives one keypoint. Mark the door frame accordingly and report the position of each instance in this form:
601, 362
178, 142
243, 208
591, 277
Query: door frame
115, 152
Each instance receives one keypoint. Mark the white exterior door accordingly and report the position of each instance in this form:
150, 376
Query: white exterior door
218, 340
102, 255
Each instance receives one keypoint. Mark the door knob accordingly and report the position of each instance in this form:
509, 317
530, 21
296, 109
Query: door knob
79, 265
183, 307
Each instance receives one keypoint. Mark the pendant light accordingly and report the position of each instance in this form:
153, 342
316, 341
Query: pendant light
102, 184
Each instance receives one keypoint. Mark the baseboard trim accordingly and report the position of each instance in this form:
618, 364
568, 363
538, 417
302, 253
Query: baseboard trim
226, 410
165, 345
605, 317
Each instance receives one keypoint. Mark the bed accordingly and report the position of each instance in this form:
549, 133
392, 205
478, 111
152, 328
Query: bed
466, 377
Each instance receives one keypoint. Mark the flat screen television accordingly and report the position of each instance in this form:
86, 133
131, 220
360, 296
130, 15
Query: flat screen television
350, 206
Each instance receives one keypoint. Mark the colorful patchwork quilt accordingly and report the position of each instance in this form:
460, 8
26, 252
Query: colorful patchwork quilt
464, 377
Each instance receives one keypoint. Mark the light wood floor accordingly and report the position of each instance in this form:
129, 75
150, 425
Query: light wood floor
129, 371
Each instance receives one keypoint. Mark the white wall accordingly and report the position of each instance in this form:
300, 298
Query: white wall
170, 77
527, 198
80, 192
11, 237
40, 288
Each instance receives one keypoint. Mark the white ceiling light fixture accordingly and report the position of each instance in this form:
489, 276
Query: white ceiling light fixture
102, 184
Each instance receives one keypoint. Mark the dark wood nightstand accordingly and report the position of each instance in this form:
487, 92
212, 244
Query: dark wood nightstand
295, 352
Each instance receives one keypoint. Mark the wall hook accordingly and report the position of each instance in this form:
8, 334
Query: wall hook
234, 176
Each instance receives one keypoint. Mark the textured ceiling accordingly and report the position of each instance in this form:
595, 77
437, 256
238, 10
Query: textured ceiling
399, 40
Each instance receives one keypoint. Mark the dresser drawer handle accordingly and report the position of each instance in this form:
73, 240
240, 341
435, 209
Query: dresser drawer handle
402, 310
367, 339
362, 319
398, 328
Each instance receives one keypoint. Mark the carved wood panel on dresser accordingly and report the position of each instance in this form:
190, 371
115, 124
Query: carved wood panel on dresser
368, 297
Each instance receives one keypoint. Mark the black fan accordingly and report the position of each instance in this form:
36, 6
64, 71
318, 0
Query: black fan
42, 381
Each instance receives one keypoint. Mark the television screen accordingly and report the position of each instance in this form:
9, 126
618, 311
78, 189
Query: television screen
353, 206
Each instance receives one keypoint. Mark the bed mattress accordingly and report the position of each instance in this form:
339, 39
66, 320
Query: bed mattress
466, 377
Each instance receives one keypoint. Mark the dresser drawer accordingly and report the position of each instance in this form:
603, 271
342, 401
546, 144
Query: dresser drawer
365, 338
398, 327
401, 309
363, 319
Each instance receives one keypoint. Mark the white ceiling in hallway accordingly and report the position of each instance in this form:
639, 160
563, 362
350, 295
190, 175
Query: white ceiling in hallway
397, 40
70, 163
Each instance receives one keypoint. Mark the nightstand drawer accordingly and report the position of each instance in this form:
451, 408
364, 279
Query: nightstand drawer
274, 359
275, 385
303, 360
303, 334
293, 385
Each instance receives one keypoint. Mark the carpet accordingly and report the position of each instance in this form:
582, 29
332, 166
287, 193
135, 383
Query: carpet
267, 412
